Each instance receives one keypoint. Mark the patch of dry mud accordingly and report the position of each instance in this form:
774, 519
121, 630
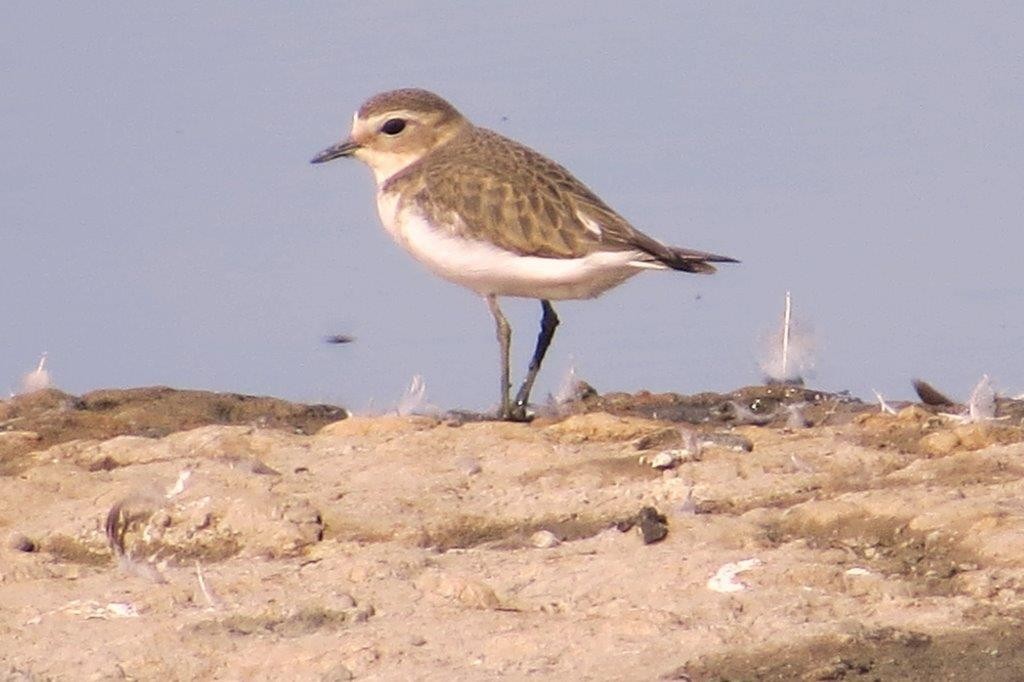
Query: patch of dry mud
415, 548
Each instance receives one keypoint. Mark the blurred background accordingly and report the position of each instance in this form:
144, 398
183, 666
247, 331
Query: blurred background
160, 222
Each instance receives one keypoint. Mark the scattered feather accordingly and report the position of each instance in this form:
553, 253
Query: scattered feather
179, 484
571, 390
211, 599
981, 406
796, 419
414, 400
787, 352
724, 579
800, 465
692, 442
121, 515
568, 388
37, 379
688, 506
885, 407
91, 610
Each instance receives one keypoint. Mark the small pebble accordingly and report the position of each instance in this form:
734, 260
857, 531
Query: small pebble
21, 543
363, 613
344, 600
544, 539
666, 459
160, 519
728, 441
653, 525
663, 460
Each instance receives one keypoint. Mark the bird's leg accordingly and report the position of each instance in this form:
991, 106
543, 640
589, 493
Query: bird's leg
504, 332
548, 322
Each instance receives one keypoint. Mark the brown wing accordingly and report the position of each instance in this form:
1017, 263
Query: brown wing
492, 188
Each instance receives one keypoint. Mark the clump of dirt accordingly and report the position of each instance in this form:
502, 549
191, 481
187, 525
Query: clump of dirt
302, 621
470, 531
76, 551
924, 429
37, 420
994, 654
772, 405
609, 470
886, 546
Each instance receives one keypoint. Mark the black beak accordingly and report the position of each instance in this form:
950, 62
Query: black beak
346, 148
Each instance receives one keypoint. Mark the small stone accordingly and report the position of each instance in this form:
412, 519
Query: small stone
728, 441
344, 600
653, 525
417, 640
663, 460
362, 613
20, 542
666, 459
199, 521
544, 539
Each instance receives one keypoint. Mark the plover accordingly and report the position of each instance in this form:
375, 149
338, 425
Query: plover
496, 217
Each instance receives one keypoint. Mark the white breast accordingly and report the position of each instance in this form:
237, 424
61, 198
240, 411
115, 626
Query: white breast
487, 269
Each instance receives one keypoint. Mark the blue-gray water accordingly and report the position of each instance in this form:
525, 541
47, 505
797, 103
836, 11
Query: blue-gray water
160, 222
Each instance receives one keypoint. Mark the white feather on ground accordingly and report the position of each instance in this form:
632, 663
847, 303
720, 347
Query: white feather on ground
37, 379
981, 406
799, 357
414, 399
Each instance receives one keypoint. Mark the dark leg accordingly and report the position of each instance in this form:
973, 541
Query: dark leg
548, 322
504, 340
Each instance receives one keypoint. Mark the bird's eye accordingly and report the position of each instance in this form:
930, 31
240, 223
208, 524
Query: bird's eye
393, 126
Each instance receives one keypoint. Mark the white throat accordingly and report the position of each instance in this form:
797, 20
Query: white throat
385, 165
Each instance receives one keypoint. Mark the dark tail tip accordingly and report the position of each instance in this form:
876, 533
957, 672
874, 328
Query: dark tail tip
687, 260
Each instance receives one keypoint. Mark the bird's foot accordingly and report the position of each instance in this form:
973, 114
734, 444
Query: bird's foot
514, 412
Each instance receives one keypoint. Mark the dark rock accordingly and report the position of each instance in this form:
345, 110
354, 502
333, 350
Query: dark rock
653, 525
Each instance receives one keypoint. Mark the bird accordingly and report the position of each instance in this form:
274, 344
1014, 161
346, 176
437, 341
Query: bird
492, 215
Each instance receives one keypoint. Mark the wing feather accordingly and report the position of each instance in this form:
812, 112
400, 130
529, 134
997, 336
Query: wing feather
484, 186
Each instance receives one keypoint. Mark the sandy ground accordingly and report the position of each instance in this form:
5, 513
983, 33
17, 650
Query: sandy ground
155, 534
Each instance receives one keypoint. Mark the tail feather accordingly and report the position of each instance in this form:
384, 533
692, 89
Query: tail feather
688, 260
